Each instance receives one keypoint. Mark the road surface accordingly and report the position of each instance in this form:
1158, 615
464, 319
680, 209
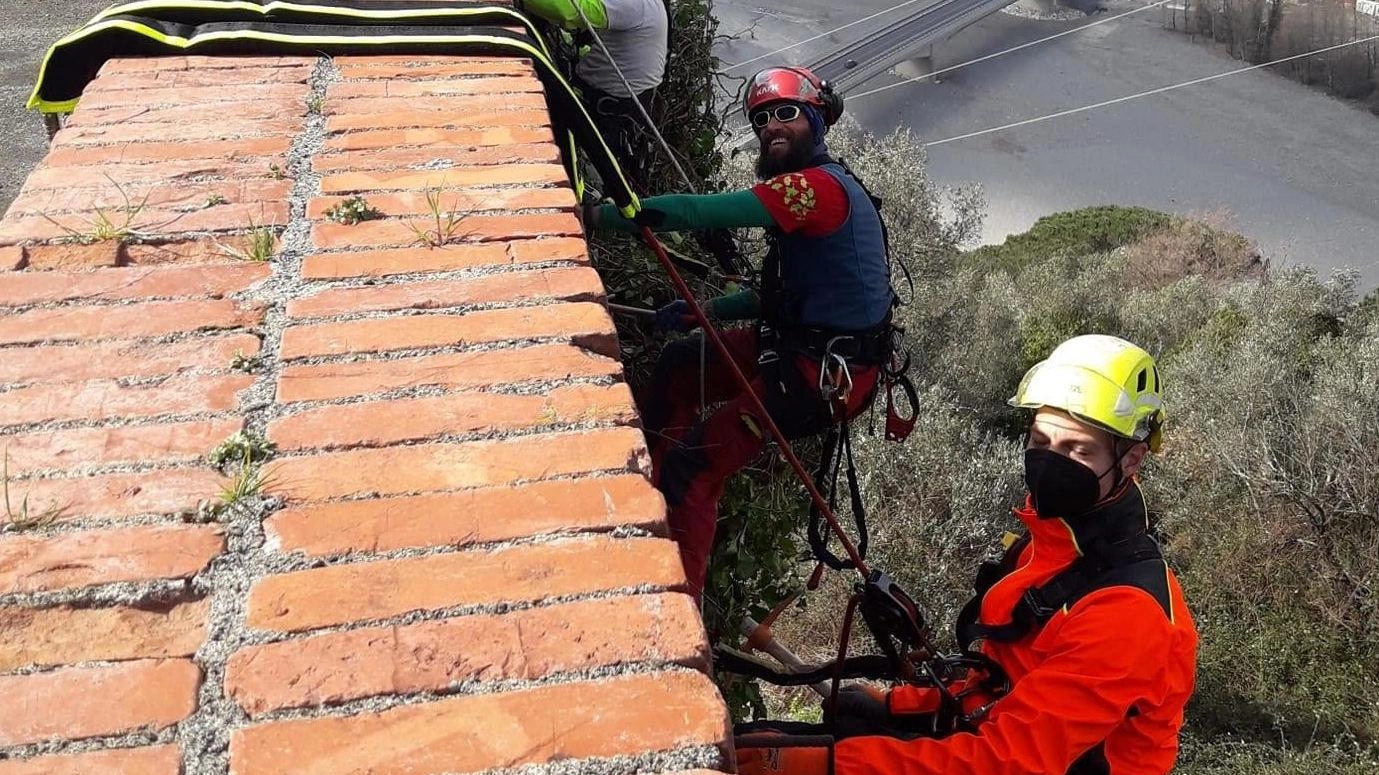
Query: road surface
1296, 170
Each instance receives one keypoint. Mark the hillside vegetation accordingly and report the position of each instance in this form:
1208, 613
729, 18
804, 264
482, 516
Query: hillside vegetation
1266, 494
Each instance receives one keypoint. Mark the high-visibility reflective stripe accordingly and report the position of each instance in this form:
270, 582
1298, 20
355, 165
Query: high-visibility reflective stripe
387, 11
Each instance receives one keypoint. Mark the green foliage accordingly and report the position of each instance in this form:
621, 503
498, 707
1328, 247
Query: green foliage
353, 210
243, 446
1074, 233
444, 224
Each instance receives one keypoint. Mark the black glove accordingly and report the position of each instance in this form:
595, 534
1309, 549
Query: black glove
863, 703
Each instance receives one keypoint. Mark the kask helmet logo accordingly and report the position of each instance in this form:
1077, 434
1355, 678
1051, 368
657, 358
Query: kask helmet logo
795, 84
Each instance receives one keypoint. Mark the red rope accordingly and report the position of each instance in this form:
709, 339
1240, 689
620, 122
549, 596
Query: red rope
786, 451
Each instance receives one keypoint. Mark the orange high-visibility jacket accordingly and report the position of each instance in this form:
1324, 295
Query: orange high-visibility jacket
1101, 685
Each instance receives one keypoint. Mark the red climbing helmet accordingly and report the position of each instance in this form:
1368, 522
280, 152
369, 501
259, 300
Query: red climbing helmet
793, 84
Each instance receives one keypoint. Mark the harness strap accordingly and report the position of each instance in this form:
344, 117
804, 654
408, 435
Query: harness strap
1135, 560
837, 448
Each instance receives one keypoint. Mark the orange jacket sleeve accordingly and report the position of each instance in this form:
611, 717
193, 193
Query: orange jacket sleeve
1104, 656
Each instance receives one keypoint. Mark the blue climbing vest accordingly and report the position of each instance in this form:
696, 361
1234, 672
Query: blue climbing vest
839, 282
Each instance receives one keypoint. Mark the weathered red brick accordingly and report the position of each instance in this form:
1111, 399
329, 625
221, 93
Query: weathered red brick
430, 656
582, 322
164, 491
471, 200
181, 197
617, 717
154, 760
451, 64
234, 114
390, 422
11, 258
471, 117
440, 467
77, 702
107, 399
562, 284
73, 448
222, 217
530, 129
413, 88
468, 517
436, 157
91, 557
548, 249
131, 283
128, 152
467, 228
410, 180
106, 253
207, 94
165, 173
122, 67
127, 321
366, 67
219, 250
362, 591
223, 128
108, 360
390, 261
350, 107
450, 370
66, 635
131, 81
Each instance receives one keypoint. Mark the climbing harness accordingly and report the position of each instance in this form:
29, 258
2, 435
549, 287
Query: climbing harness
332, 27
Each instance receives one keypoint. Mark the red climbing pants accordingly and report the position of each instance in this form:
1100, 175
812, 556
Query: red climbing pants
692, 459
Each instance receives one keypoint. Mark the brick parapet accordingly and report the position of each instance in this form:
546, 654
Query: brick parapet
454, 562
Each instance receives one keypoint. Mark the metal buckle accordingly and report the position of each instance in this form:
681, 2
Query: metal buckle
834, 388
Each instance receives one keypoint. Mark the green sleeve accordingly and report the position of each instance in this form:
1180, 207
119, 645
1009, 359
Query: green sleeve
743, 305
679, 212
563, 12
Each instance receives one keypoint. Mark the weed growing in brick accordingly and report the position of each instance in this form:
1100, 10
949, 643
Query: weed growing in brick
23, 518
446, 223
243, 445
260, 242
246, 363
214, 199
113, 224
275, 171
314, 104
248, 480
352, 211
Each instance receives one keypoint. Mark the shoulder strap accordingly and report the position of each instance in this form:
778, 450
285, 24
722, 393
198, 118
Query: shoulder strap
1135, 561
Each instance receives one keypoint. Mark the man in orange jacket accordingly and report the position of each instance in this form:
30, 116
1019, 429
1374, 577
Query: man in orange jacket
1081, 613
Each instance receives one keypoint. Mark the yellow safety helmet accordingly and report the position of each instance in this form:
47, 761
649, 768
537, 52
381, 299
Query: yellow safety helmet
1103, 380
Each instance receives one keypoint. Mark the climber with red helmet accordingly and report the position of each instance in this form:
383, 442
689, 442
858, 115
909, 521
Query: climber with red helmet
824, 308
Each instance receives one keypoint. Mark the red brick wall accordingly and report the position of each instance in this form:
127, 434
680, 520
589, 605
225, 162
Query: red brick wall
454, 562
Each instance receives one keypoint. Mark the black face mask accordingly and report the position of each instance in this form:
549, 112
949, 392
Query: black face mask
1060, 486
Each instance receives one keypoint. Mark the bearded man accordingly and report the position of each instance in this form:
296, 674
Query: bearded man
824, 304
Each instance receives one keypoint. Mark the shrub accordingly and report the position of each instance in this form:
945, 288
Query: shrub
1074, 233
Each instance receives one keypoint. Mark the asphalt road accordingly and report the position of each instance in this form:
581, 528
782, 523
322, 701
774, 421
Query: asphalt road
1294, 169
27, 28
